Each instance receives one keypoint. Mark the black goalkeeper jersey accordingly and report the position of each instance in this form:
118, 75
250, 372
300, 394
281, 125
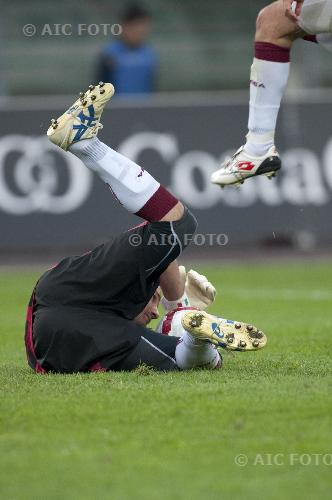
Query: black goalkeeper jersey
80, 316
82, 309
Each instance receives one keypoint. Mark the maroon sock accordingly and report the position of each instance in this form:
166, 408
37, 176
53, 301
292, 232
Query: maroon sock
271, 52
158, 205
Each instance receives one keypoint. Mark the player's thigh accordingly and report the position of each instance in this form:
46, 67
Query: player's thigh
154, 350
73, 339
274, 26
163, 242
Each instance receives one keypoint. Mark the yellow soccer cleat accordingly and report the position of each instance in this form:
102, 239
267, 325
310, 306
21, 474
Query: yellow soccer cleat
82, 120
224, 333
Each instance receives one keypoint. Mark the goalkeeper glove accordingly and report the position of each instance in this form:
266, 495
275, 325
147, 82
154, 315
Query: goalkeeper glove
198, 291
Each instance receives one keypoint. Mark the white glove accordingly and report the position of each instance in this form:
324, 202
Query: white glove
200, 292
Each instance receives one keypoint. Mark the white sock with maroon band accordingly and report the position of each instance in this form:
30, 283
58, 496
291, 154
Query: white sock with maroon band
268, 80
133, 187
193, 353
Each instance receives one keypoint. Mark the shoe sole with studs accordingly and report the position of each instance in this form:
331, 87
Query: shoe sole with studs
239, 336
225, 334
82, 119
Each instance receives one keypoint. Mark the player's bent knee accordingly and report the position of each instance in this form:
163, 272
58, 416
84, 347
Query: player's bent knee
190, 222
273, 26
265, 21
186, 227
174, 214
262, 19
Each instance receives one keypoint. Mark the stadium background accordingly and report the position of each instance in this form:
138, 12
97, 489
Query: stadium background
197, 116
145, 435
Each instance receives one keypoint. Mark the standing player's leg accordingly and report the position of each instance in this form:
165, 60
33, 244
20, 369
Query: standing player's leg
275, 34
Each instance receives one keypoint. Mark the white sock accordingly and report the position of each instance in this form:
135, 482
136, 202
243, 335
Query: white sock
193, 353
268, 82
131, 185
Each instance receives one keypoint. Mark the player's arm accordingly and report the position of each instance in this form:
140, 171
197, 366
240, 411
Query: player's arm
293, 14
172, 283
196, 290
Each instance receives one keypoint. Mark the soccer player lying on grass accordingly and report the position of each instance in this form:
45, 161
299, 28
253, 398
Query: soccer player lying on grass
90, 312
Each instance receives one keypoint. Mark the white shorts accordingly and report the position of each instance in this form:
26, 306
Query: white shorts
316, 16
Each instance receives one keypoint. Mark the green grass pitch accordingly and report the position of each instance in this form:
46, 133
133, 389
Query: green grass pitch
175, 436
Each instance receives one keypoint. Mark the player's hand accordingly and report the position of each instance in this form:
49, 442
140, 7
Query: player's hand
289, 11
201, 293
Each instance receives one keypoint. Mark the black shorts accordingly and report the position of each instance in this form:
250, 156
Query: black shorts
154, 350
82, 310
